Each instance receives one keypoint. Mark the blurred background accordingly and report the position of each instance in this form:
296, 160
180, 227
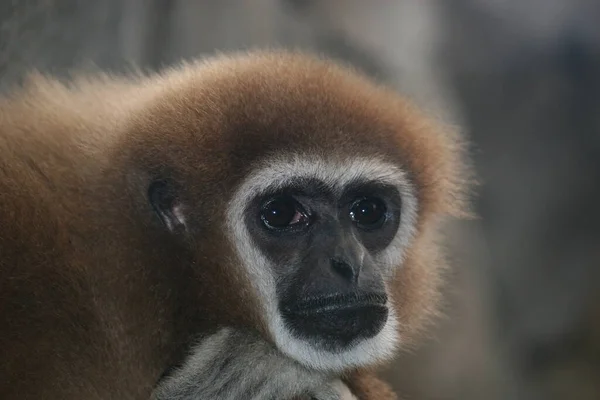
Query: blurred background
520, 77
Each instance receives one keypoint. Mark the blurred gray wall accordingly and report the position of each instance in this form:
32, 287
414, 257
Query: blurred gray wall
522, 79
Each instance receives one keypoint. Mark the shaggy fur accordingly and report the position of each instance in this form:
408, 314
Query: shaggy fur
97, 298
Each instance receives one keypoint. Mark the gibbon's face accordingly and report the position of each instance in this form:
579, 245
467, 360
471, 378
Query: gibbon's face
318, 180
323, 237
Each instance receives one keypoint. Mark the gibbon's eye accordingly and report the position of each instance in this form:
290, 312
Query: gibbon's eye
282, 212
368, 213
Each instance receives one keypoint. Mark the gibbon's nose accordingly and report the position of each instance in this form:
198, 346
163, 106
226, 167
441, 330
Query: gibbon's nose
347, 271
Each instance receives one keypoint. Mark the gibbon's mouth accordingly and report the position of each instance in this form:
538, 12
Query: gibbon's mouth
335, 302
337, 321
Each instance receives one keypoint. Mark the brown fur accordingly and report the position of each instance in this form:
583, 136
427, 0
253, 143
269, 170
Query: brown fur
96, 299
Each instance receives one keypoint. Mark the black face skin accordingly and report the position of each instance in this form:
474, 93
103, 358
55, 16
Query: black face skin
323, 247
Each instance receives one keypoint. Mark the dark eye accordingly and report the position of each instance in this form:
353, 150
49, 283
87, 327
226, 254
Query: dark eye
282, 212
368, 213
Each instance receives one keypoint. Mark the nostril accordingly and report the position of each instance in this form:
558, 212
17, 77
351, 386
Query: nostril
345, 270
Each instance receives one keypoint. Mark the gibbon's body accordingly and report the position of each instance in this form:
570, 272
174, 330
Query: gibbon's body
258, 226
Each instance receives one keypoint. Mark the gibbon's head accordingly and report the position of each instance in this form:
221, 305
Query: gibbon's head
310, 191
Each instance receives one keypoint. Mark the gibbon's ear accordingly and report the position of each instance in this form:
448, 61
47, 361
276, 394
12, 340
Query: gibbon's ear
163, 197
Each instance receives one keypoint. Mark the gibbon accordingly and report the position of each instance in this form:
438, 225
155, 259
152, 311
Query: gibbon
258, 225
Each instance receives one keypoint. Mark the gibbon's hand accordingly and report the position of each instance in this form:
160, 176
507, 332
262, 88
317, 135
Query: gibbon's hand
231, 364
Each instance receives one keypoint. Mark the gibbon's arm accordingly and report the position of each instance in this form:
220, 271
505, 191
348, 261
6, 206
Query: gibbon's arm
231, 365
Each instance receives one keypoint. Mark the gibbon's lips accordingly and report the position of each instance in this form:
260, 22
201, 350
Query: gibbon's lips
340, 320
